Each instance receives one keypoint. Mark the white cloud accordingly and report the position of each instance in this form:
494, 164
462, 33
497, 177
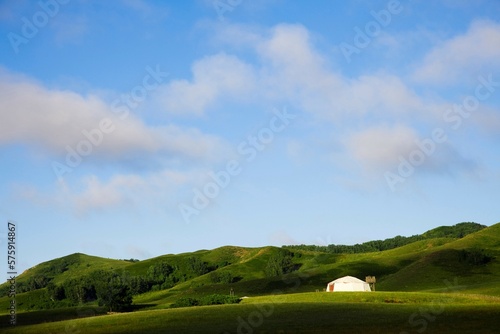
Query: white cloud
102, 196
54, 120
92, 193
288, 69
294, 70
380, 149
377, 149
214, 77
488, 119
128, 190
382, 94
464, 56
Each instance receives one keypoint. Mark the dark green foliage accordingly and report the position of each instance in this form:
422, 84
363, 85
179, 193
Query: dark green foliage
159, 272
112, 290
56, 292
197, 266
366, 247
186, 302
222, 264
279, 263
81, 290
160, 276
59, 266
224, 277
457, 231
214, 299
474, 256
139, 284
37, 282
217, 299
21, 287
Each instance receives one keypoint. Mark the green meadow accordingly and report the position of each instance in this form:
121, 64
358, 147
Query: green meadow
317, 312
440, 284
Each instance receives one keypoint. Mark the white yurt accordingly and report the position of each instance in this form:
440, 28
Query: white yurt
347, 283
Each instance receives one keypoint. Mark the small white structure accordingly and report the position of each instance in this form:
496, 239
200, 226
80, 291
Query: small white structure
347, 283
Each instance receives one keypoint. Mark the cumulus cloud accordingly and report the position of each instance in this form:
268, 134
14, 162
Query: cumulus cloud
377, 149
383, 148
288, 69
214, 77
54, 120
463, 56
95, 194
98, 195
294, 70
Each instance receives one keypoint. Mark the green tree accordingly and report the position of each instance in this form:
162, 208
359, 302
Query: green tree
80, 290
139, 284
279, 263
56, 292
224, 277
112, 291
197, 266
159, 272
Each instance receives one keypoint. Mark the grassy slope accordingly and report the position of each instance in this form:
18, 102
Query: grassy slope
80, 264
379, 312
423, 265
431, 269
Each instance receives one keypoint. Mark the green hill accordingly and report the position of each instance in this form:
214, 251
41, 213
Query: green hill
465, 258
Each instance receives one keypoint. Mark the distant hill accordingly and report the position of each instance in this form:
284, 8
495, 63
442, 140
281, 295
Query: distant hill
465, 256
456, 231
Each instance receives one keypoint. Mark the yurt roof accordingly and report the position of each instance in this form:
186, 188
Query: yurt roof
347, 279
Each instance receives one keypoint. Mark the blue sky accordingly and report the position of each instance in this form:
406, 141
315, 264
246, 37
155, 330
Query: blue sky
132, 129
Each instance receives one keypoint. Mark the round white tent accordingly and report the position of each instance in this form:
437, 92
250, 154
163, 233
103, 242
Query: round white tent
347, 283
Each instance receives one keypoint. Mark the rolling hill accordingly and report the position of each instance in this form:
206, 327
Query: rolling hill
445, 259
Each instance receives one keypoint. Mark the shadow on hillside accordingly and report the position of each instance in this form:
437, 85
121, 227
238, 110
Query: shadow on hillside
55, 315
138, 307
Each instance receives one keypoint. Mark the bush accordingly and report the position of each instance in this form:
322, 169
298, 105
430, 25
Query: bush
197, 266
56, 292
279, 263
215, 299
112, 291
186, 302
224, 277
474, 256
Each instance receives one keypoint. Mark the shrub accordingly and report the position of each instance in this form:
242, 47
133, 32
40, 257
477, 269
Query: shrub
215, 299
474, 256
224, 277
279, 263
186, 302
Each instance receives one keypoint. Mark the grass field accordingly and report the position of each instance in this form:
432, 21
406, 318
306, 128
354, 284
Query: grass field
377, 312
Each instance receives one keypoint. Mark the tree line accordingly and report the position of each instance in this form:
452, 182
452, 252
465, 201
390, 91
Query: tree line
113, 289
456, 231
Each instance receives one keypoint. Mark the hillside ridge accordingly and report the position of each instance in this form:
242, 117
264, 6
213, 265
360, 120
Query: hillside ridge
446, 253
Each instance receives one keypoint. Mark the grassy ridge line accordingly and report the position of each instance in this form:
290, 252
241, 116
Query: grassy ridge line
418, 266
456, 231
301, 313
